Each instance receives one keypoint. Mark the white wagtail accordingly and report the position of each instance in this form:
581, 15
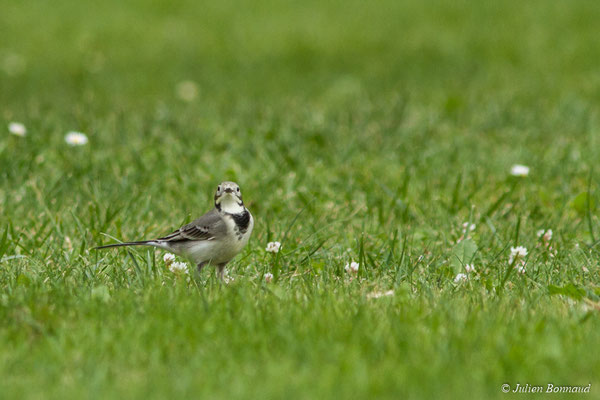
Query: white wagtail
214, 238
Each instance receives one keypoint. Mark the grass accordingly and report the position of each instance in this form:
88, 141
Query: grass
357, 131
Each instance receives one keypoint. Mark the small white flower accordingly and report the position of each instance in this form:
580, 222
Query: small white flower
460, 277
76, 138
376, 295
466, 227
545, 234
517, 253
273, 247
352, 267
177, 267
519, 170
168, 258
520, 269
540, 232
186, 90
227, 278
584, 269
17, 129
268, 277
470, 268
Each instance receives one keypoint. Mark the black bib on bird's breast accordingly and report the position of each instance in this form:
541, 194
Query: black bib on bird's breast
242, 220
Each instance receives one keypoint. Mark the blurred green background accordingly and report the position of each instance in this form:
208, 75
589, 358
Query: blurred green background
262, 49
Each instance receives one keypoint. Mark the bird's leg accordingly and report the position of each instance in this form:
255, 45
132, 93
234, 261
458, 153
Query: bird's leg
221, 268
201, 265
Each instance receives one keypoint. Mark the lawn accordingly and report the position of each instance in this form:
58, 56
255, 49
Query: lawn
365, 132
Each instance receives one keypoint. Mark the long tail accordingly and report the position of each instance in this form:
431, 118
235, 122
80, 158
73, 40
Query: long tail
140, 243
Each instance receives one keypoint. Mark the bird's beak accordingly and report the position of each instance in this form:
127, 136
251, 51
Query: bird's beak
228, 190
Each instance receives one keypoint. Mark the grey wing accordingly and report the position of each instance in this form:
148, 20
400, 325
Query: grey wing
207, 227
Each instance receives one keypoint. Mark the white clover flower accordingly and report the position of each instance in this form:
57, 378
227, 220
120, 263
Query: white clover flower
517, 254
186, 90
376, 295
519, 170
273, 247
466, 228
540, 232
470, 227
545, 234
76, 138
178, 267
460, 278
17, 129
168, 258
268, 277
352, 268
470, 268
226, 277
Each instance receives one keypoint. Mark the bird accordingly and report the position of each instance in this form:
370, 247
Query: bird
215, 238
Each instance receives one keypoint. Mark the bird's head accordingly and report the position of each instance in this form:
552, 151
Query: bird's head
228, 198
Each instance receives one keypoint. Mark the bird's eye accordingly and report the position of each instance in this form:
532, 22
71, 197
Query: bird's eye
219, 189
238, 189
